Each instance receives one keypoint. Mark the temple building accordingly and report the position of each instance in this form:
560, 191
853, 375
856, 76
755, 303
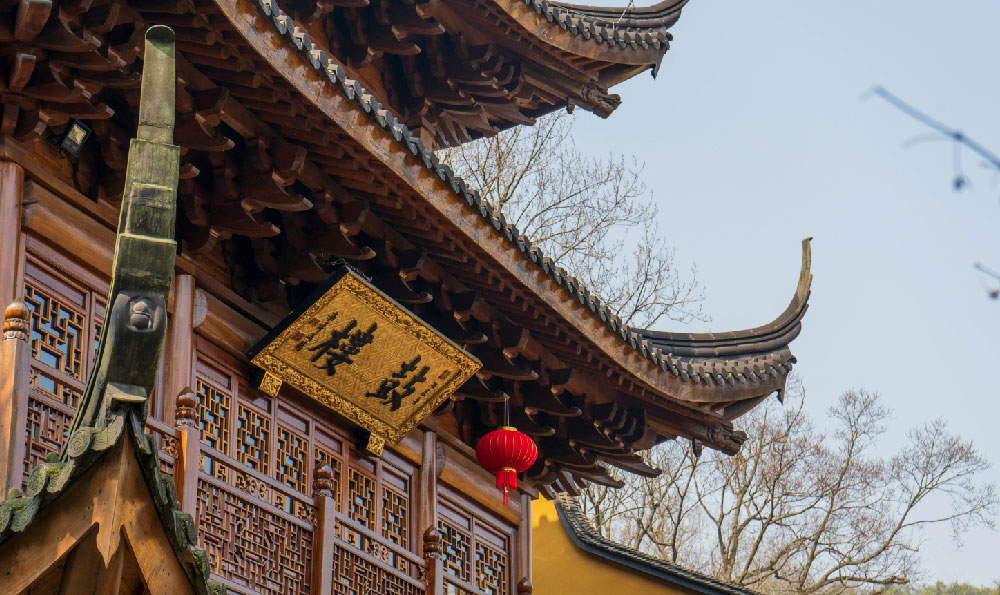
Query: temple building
254, 329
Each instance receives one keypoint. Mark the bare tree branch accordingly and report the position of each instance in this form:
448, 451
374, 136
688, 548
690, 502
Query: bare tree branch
595, 217
799, 510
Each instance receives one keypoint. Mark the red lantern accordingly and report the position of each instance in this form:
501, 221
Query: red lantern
506, 452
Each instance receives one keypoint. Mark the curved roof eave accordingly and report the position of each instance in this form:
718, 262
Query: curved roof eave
762, 339
629, 36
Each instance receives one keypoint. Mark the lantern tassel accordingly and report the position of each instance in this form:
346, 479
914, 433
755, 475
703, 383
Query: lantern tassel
506, 481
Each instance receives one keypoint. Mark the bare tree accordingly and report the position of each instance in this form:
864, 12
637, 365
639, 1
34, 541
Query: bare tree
799, 510
594, 217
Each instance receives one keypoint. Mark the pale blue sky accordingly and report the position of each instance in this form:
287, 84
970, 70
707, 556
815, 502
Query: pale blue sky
754, 136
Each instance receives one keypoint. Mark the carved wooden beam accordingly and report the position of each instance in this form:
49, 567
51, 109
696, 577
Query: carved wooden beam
131, 342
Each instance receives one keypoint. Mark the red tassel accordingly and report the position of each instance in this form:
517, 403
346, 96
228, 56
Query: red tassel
507, 478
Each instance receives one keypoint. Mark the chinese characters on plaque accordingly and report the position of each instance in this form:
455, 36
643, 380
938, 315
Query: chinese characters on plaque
358, 352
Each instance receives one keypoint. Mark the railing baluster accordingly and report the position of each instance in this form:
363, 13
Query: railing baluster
15, 353
324, 531
188, 461
434, 568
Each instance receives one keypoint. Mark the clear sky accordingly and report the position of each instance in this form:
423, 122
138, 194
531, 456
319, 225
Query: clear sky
755, 135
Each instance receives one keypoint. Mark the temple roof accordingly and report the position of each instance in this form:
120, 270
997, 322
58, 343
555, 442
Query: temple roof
757, 357
457, 70
289, 163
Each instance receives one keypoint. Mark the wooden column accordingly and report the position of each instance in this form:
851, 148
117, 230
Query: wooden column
179, 352
524, 544
188, 462
427, 491
323, 532
11, 195
15, 353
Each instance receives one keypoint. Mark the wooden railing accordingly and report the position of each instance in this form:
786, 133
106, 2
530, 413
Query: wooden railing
265, 537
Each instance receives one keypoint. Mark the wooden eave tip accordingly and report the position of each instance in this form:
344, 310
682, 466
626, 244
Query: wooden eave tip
160, 33
805, 276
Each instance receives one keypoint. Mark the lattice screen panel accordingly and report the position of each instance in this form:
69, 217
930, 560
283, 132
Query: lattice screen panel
395, 517
214, 406
290, 466
47, 428
253, 439
456, 545
57, 335
491, 569
60, 331
361, 498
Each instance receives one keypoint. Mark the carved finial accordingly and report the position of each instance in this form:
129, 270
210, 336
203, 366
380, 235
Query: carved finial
15, 324
432, 542
187, 408
524, 587
323, 482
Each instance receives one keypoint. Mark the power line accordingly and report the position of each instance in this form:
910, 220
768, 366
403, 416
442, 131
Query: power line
953, 133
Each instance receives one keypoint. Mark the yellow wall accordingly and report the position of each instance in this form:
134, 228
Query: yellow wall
559, 567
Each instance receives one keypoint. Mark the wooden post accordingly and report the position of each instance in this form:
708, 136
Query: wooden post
524, 543
180, 344
323, 532
11, 195
188, 462
433, 564
15, 353
427, 491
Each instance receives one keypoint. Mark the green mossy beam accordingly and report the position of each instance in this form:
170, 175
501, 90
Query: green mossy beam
131, 343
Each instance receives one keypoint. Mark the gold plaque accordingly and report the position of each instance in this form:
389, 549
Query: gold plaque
355, 350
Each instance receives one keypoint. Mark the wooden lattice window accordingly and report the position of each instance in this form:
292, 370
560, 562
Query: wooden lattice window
491, 569
290, 466
64, 314
214, 405
253, 438
476, 547
395, 516
395, 507
457, 550
361, 498
46, 431
58, 333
